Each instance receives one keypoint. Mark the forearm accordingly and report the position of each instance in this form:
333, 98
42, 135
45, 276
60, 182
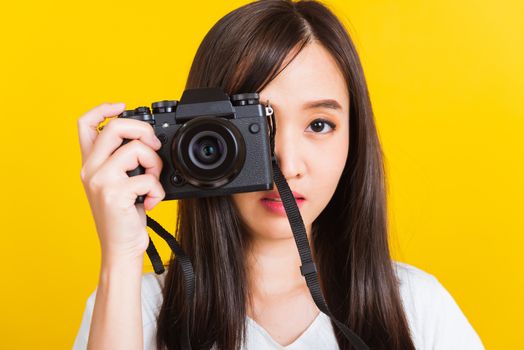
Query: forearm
117, 314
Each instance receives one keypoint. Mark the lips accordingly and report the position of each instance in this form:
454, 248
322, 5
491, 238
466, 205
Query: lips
273, 203
275, 196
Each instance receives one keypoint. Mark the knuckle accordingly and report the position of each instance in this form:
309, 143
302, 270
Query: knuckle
83, 174
81, 121
150, 129
143, 149
94, 184
150, 178
144, 128
135, 146
162, 192
112, 124
158, 187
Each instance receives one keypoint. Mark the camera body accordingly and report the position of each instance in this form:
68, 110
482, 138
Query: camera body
212, 144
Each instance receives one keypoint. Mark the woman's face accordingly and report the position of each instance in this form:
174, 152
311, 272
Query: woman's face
311, 105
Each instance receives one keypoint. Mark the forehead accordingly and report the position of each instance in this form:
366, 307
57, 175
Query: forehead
312, 75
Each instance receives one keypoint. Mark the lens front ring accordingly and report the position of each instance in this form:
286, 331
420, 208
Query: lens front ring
209, 151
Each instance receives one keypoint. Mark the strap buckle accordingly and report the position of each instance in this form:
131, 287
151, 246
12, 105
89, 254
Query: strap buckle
308, 268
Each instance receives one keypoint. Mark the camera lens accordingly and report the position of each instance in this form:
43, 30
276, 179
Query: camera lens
209, 152
207, 149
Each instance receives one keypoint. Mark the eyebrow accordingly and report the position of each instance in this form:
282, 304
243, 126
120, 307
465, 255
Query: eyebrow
328, 103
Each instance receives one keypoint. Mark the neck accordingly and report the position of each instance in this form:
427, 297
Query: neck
273, 266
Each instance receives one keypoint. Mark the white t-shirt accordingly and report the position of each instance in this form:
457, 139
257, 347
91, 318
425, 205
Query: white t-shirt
435, 319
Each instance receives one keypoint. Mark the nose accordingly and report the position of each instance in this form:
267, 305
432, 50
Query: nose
288, 151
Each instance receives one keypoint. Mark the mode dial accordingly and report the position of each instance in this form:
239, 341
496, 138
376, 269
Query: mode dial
165, 106
245, 99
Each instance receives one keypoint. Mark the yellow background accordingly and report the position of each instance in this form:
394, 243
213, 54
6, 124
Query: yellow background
447, 84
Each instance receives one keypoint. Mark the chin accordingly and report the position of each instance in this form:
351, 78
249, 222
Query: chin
273, 234
273, 228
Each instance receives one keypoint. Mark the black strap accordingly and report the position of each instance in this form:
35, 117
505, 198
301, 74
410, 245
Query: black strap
158, 266
308, 268
183, 260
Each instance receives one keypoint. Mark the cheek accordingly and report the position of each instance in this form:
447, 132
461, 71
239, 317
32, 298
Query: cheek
327, 168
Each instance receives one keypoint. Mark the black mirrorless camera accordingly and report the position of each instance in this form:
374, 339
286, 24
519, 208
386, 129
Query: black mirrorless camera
212, 144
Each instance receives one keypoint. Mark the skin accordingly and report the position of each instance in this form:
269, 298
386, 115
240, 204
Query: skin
312, 160
117, 315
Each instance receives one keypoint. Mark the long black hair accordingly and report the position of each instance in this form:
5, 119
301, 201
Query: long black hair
241, 53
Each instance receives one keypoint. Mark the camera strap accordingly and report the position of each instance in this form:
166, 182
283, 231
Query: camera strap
308, 268
182, 259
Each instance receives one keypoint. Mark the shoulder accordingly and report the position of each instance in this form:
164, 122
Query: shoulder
414, 282
435, 319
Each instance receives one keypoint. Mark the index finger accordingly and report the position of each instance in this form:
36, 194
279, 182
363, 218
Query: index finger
88, 123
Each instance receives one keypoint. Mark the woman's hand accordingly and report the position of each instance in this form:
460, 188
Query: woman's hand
111, 193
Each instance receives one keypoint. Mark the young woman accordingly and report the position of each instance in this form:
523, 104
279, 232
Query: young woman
249, 292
